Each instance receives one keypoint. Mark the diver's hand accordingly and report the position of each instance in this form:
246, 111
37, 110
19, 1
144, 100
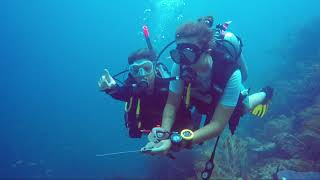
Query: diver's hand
147, 148
157, 134
106, 81
160, 148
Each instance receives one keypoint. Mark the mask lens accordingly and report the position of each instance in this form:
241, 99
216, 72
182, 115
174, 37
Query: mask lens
190, 56
143, 68
175, 55
148, 67
186, 54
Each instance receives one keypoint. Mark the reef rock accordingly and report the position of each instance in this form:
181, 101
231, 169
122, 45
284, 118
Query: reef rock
231, 158
289, 174
266, 168
309, 132
312, 141
311, 112
277, 126
262, 152
253, 142
290, 145
266, 148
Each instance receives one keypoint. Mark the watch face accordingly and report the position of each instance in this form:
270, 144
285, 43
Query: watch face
187, 134
176, 138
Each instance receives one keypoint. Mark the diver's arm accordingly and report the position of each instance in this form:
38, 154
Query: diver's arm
121, 93
218, 122
213, 129
108, 85
243, 68
169, 112
173, 100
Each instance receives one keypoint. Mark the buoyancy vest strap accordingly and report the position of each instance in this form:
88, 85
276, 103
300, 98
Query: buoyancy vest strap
126, 108
138, 109
236, 115
188, 95
138, 113
222, 72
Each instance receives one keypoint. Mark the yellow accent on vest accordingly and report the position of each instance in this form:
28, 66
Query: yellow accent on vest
126, 108
188, 95
138, 108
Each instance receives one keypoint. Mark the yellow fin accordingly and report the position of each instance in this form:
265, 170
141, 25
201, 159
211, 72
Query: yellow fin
260, 110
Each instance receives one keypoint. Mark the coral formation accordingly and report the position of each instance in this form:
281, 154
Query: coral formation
230, 159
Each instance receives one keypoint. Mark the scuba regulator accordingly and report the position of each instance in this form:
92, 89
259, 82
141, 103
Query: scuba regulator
140, 87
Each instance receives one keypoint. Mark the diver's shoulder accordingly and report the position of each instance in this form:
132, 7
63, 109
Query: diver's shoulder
230, 36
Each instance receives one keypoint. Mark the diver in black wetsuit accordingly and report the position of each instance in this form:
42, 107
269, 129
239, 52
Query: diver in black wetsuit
145, 92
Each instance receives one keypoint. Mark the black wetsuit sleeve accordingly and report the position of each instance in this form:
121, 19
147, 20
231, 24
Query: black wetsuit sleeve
121, 93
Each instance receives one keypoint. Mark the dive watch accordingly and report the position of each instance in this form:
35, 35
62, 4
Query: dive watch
182, 139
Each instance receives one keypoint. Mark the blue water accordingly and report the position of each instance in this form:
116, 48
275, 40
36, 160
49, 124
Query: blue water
53, 118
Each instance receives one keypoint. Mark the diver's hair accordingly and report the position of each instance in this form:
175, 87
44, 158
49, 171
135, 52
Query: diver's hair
197, 30
143, 53
208, 20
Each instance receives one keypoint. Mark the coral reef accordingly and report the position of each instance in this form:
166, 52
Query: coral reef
295, 126
231, 158
309, 131
297, 150
289, 145
266, 168
286, 147
297, 81
277, 125
265, 149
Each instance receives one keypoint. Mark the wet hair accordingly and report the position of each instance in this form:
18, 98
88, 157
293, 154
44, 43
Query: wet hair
143, 53
208, 20
197, 30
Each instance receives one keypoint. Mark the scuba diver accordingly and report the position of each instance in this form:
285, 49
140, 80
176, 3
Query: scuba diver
145, 92
232, 43
209, 64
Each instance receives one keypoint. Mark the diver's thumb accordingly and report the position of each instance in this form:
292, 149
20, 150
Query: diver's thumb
145, 150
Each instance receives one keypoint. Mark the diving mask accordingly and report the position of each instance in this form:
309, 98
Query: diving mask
141, 68
186, 54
